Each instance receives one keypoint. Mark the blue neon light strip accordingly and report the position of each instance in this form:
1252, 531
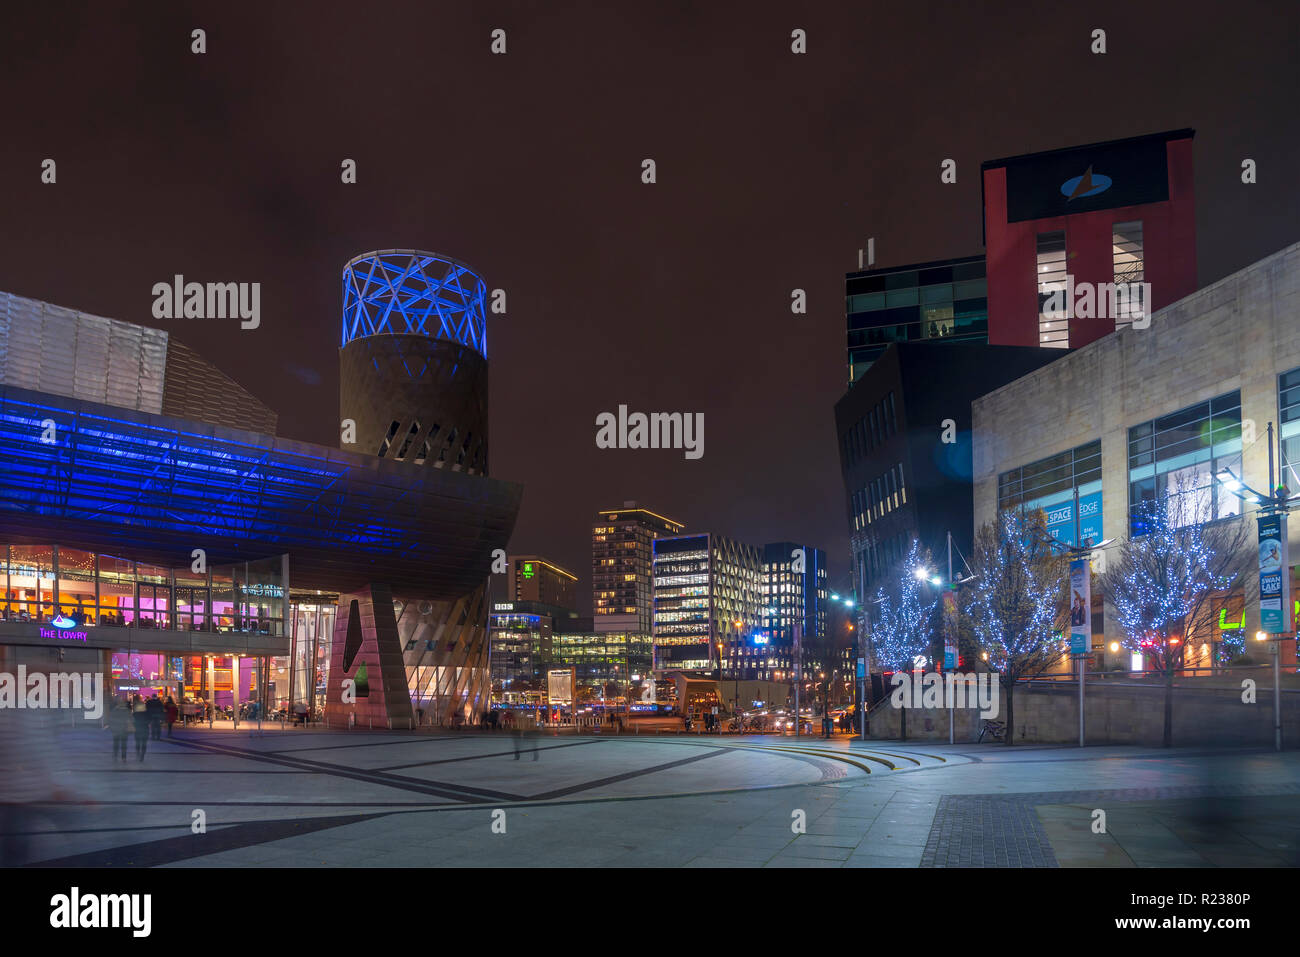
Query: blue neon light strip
407, 292
150, 477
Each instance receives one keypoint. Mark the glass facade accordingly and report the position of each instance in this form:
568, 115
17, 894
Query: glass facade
43, 582
302, 676
1288, 406
703, 586
789, 596
1050, 484
942, 300
602, 661
520, 649
1177, 457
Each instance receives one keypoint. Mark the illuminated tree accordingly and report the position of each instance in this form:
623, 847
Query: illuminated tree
902, 624
1018, 600
1163, 579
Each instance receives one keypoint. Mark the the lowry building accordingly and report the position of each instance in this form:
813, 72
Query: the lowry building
154, 528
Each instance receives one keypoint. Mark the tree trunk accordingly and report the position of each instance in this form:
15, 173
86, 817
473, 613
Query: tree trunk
1010, 738
1169, 703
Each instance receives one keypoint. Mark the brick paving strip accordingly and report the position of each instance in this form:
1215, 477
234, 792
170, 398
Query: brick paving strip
1004, 830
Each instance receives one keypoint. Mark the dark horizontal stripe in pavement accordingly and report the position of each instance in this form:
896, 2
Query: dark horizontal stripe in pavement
128, 769
169, 850
524, 748
380, 778
626, 775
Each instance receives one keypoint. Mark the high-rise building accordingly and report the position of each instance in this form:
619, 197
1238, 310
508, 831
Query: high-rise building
621, 567
707, 593
794, 590
533, 578
905, 448
1080, 242
1075, 239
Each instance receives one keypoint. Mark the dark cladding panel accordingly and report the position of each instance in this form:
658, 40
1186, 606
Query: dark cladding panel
1047, 185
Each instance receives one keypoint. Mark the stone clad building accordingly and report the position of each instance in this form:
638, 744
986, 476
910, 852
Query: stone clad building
1126, 417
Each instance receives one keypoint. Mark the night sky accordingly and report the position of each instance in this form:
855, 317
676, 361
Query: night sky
773, 169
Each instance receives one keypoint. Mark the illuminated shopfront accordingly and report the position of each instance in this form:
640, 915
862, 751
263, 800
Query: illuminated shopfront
49, 583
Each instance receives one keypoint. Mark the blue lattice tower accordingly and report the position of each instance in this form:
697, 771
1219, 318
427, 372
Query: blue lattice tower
413, 359
413, 379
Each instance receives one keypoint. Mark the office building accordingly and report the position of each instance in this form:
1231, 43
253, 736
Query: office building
533, 578
946, 300
621, 567
708, 593
793, 586
905, 448
521, 643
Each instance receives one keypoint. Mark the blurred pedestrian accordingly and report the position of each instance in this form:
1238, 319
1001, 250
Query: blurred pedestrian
119, 723
140, 717
154, 708
170, 711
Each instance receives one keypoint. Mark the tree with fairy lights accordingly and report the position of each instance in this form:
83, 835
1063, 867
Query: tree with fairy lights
902, 623
1020, 599
1166, 574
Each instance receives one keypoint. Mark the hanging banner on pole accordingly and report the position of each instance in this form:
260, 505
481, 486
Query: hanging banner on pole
1274, 575
1080, 606
950, 630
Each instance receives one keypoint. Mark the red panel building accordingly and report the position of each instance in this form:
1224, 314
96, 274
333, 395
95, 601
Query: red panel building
1083, 227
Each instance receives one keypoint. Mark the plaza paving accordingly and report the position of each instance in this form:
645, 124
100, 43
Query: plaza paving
361, 798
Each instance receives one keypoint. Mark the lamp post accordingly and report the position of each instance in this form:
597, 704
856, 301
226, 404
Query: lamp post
735, 674
1274, 508
1078, 551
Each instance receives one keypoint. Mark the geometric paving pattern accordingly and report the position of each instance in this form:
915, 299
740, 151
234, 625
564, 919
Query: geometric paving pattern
1004, 830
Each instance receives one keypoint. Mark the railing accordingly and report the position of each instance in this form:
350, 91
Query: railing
1158, 675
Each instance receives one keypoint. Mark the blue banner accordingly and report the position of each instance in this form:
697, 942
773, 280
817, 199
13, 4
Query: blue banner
1060, 519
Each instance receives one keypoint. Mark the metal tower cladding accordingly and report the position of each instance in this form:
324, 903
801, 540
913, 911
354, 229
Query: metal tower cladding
413, 380
413, 359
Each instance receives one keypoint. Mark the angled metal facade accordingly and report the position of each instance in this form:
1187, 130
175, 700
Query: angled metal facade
61, 351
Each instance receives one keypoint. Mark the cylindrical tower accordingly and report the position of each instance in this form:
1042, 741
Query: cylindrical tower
413, 361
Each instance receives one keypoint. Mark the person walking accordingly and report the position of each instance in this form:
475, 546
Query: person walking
154, 708
140, 717
119, 723
518, 737
170, 711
